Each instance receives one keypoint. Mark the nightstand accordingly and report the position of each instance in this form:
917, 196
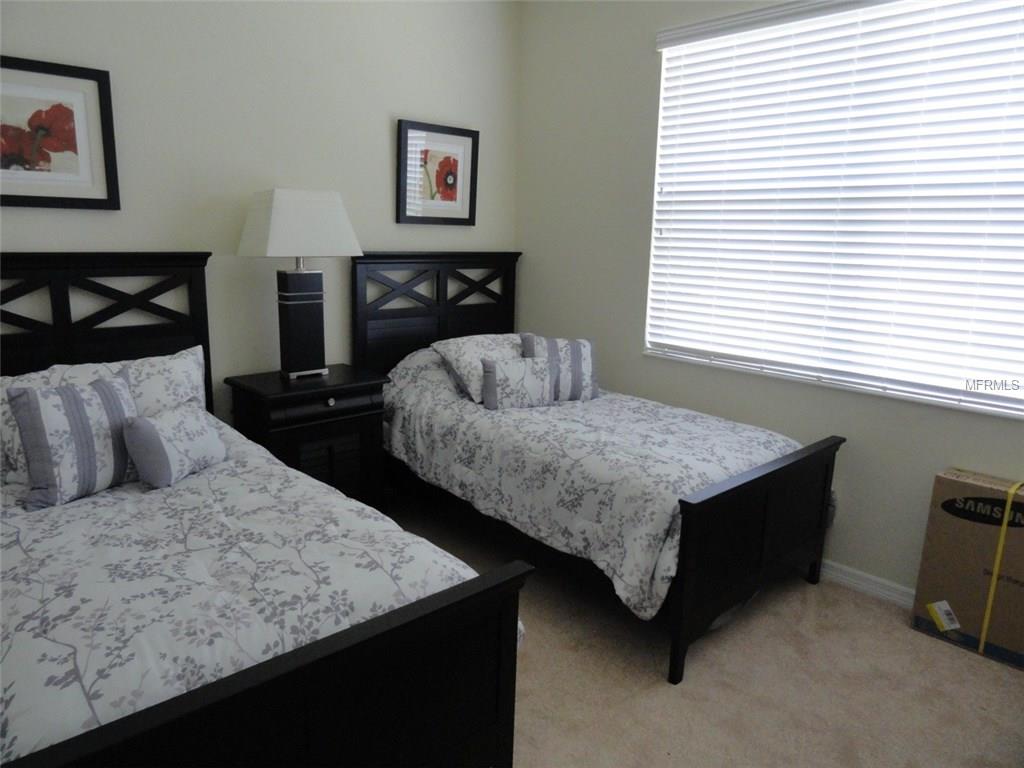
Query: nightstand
330, 427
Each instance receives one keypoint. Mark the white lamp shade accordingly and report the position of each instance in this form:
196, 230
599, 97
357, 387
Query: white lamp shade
296, 223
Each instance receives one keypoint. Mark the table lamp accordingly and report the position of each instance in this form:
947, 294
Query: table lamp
299, 224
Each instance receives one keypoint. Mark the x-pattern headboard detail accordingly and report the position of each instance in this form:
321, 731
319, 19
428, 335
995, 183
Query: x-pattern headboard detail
397, 290
476, 287
34, 344
426, 297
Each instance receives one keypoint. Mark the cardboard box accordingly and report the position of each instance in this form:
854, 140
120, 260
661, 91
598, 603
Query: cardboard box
964, 526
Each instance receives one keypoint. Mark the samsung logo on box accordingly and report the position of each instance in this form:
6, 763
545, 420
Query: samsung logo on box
985, 509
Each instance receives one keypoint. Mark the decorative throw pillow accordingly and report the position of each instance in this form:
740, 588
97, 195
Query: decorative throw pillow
73, 437
15, 468
571, 362
173, 444
463, 357
522, 383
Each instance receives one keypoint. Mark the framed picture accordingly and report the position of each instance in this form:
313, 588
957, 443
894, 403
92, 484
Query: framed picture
436, 174
56, 136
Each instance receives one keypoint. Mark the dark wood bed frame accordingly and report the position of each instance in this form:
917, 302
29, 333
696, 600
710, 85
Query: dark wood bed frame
736, 534
430, 683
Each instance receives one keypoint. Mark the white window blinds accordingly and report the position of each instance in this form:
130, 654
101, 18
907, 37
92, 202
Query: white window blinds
841, 199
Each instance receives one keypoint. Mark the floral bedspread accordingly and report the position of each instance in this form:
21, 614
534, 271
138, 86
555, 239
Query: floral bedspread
129, 597
600, 479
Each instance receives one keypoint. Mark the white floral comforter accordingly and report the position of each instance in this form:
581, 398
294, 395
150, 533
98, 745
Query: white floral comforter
599, 479
126, 598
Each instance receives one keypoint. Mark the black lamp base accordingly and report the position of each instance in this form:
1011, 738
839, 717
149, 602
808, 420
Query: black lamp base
300, 314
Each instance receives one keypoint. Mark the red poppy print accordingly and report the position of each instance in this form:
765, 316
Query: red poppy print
55, 128
11, 140
440, 175
446, 178
19, 149
47, 130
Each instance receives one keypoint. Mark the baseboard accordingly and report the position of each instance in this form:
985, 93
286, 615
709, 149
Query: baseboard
868, 584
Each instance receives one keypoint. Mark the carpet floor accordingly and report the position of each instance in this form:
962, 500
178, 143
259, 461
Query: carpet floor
802, 676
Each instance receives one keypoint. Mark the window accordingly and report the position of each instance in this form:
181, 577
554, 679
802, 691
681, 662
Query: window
840, 199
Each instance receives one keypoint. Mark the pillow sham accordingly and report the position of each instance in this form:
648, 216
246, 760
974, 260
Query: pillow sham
173, 444
571, 362
419, 375
157, 383
521, 383
463, 356
73, 437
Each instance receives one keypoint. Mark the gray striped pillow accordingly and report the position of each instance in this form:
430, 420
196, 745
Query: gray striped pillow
571, 362
521, 383
73, 437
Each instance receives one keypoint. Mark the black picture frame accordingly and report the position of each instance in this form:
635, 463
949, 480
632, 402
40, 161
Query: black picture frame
405, 202
112, 198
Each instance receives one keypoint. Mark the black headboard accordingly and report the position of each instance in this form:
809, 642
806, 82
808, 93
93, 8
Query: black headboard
39, 344
441, 298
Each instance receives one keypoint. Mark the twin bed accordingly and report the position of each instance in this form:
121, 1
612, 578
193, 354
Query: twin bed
247, 614
687, 514
250, 615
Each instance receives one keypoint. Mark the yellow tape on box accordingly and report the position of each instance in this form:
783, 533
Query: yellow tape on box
997, 564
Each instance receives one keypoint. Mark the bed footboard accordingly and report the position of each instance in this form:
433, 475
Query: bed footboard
430, 683
738, 533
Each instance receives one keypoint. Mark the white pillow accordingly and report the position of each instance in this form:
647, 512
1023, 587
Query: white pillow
464, 357
157, 383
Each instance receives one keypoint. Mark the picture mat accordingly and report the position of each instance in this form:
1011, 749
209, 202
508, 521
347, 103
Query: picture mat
417, 202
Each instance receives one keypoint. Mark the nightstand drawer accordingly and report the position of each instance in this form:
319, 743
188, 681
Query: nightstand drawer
325, 407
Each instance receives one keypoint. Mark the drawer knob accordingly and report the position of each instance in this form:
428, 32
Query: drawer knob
330, 402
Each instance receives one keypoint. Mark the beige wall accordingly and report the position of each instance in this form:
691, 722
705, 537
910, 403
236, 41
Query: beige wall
588, 117
214, 101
